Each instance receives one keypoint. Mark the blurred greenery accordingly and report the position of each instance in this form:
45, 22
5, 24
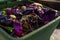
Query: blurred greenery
2, 0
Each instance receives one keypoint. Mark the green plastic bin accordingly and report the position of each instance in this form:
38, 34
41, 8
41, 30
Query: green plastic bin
42, 33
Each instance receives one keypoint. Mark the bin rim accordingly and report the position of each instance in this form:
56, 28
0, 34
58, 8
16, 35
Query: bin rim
41, 28
31, 33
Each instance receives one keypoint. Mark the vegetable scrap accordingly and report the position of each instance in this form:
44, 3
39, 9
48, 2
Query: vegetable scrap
21, 20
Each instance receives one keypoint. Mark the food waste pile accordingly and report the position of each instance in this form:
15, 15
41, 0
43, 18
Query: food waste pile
20, 20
